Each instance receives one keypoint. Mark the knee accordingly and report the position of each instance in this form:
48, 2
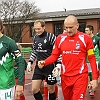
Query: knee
51, 89
35, 90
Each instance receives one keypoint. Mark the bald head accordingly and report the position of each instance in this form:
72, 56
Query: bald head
71, 25
71, 19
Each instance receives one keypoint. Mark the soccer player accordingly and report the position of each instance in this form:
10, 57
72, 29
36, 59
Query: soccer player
74, 47
42, 47
96, 42
9, 53
22, 97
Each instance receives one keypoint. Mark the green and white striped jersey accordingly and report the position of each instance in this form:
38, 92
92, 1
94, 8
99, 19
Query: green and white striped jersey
8, 53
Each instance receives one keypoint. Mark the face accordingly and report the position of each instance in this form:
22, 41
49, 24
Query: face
88, 31
38, 28
71, 27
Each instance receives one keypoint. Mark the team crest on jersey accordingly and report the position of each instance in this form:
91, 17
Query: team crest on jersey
45, 41
77, 45
1, 45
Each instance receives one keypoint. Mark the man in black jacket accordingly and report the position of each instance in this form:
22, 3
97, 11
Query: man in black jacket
42, 47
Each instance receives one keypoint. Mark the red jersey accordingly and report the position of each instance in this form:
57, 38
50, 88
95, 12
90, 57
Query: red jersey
74, 51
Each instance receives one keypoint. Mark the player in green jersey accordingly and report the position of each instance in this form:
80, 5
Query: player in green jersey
96, 41
22, 97
9, 53
98, 34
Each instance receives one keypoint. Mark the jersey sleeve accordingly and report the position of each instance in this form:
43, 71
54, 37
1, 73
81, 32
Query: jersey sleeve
52, 39
33, 53
15, 52
55, 53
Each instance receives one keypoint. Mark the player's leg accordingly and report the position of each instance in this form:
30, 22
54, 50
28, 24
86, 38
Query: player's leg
67, 91
80, 86
45, 90
91, 92
52, 94
56, 90
36, 83
51, 81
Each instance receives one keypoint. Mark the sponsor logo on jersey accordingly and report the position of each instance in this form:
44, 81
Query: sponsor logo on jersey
40, 46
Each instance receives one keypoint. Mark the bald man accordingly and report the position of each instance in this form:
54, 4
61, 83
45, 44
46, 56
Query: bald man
74, 47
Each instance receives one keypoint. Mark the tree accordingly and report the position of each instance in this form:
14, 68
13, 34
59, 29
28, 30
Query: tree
15, 14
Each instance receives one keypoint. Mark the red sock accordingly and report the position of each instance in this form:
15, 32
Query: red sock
56, 91
22, 97
45, 93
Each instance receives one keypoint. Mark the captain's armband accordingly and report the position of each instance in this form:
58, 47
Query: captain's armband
90, 52
16, 53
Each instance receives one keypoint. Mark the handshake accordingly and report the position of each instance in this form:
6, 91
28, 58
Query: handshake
57, 70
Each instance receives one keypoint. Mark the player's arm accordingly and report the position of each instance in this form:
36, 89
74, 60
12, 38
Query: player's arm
33, 53
32, 57
92, 60
15, 52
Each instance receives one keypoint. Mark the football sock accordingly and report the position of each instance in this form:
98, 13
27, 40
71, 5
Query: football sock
38, 96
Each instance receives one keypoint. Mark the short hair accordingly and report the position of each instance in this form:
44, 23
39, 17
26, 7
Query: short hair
40, 21
19, 46
91, 28
1, 24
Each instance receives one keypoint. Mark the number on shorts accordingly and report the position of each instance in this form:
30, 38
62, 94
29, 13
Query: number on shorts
8, 94
51, 78
81, 96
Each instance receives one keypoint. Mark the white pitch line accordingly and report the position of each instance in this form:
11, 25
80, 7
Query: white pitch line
28, 83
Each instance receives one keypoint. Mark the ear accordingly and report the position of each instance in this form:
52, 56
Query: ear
77, 25
44, 27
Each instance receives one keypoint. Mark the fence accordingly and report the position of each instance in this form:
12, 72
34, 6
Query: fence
26, 50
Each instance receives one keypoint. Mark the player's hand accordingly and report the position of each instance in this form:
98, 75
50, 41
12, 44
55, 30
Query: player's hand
94, 84
18, 91
29, 68
57, 70
41, 64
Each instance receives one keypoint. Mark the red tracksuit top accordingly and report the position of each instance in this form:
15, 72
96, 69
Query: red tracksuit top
74, 51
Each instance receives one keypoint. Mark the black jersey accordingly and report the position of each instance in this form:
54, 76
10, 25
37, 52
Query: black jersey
42, 46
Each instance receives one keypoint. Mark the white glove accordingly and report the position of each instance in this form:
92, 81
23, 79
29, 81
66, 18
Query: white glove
57, 70
29, 68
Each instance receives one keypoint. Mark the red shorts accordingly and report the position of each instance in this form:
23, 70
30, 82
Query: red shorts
74, 87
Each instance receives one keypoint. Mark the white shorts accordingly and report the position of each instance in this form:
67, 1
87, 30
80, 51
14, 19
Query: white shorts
7, 94
89, 67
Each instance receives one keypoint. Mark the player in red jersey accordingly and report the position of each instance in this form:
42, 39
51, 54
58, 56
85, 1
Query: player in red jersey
74, 47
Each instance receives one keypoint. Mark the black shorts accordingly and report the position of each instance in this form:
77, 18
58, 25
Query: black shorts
44, 73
